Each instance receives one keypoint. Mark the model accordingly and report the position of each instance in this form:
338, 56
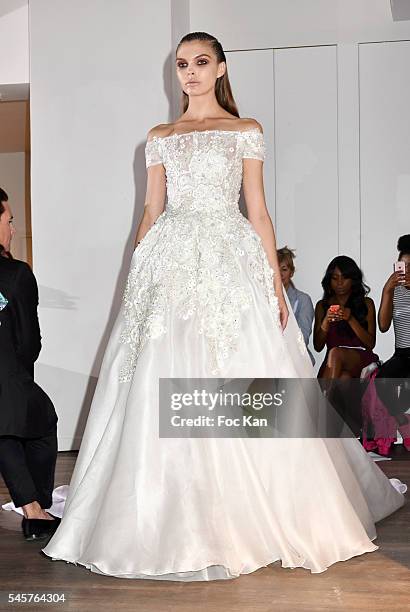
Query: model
204, 299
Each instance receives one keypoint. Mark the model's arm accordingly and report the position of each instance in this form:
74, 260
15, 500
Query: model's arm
258, 215
155, 194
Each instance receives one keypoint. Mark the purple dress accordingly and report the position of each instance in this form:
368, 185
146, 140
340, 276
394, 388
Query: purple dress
340, 334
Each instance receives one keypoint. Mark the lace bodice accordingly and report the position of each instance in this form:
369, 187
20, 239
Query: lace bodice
201, 260
204, 169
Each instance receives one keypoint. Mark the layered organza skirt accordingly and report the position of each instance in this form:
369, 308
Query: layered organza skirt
141, 506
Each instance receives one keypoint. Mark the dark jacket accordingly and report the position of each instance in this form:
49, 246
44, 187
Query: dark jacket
25, 409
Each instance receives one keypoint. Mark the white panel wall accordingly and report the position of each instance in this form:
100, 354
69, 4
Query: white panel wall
293, 93
14, 45
385, 161
251, 78
261, 24
348, 150
100, 78
338, 128
306, 159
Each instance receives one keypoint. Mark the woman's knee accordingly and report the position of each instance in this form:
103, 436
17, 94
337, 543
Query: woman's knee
335, 356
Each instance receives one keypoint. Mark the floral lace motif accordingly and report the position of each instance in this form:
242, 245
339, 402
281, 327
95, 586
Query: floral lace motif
202, 255
153, 153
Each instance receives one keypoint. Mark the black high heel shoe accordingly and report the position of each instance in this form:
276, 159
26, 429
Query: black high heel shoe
39, 529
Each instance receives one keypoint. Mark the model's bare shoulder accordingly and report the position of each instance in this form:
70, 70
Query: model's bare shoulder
160, 130
249, 124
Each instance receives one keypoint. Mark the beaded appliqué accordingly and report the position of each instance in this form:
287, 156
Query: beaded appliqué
193, 260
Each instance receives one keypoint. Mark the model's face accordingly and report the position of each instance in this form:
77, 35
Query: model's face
286, 273
6, 227
340, 284
197, 68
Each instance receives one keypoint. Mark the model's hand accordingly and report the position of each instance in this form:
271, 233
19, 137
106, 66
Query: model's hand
284, 313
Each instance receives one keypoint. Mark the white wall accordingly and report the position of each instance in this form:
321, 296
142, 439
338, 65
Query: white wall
385, 160
299, 114
263, 24
334, 107
100, 78
14, 45
246, 72
12, 180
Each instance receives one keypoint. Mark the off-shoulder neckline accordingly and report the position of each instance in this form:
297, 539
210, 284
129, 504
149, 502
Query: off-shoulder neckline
255, 129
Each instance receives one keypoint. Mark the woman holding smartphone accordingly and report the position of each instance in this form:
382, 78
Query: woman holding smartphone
345, 321
395, 306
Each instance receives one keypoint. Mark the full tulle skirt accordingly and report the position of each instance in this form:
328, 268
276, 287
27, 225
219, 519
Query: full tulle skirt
141, 506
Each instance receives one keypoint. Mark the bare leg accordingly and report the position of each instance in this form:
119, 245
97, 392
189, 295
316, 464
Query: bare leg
342, 361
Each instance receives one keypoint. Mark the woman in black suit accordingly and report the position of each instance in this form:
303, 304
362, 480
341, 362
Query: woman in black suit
28, 422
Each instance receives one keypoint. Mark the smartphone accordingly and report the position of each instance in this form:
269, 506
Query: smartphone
334, 308
400, 266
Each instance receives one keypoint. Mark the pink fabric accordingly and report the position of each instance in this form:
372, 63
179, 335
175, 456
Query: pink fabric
375, 413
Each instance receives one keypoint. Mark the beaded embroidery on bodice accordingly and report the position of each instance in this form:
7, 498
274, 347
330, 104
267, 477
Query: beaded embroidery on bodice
201, 255
204, 169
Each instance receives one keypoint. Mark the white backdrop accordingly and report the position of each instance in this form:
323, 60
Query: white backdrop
337, 175
99, 81
384, 160
14, 51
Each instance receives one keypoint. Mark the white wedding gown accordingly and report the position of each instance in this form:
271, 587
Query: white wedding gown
200, 303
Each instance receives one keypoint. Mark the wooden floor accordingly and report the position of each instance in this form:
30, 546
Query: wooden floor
372, 582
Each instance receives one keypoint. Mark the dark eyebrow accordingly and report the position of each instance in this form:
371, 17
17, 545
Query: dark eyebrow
200, 55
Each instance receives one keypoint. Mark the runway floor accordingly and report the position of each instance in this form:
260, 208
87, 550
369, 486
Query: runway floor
374, 581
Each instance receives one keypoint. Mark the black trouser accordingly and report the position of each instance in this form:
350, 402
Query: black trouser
398, 368
27, 466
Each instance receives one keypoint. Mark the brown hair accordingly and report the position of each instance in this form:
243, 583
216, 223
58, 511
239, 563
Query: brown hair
287, 255
223, 89
3, 198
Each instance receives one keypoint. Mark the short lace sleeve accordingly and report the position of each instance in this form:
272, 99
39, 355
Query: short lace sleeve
253, 144
153, 152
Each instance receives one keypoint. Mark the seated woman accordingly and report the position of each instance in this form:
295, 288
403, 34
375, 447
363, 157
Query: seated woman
345, 321
395, 306
301, 303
